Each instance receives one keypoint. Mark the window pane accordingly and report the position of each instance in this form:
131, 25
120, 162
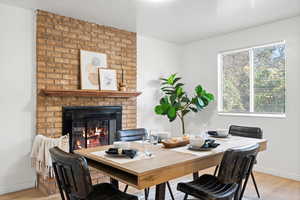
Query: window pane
269, 79
236, 83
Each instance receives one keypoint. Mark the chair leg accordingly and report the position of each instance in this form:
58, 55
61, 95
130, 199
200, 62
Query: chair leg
126, 187
246, 180
146, 191
255, 185
237, 195
243, 187
185, 197
170, 191
216, 170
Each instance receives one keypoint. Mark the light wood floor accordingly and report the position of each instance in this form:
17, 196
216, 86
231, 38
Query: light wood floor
271, 188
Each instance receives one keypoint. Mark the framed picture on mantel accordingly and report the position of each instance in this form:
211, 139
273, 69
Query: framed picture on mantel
90, 62
108, 79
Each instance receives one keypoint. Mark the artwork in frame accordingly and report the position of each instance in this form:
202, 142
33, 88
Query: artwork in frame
90, 62
108, 79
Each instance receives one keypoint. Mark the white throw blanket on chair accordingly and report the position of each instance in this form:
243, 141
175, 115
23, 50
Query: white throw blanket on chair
40, 155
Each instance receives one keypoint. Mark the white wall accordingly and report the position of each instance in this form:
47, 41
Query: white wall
17, 78
200, 60
155, 59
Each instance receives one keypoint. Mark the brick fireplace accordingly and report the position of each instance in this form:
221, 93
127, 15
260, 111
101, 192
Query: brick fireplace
58, 43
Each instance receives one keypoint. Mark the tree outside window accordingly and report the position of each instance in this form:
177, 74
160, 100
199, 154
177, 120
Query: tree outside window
252, 80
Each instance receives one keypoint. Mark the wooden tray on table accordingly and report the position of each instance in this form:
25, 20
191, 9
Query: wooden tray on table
175, 142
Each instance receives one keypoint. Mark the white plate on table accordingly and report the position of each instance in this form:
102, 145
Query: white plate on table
197, 148
220, 136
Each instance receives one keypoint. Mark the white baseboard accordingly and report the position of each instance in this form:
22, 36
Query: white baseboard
282, 174
4, 189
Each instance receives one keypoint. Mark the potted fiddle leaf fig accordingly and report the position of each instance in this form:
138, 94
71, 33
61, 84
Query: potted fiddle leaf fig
176, 103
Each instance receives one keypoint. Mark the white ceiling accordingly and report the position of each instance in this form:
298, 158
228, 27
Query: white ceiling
179, 21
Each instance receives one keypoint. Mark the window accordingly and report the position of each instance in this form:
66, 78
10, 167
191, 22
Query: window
252, 80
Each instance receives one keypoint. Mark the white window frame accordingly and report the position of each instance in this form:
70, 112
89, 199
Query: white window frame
251, 77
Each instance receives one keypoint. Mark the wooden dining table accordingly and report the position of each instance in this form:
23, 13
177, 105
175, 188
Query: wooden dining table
164, 164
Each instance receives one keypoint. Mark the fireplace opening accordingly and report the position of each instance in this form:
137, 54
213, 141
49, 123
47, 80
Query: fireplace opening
91, 126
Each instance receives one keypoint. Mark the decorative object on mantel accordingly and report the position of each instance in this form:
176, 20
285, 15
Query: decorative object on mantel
90, 62
40, 155
122, 84
108, 79
89, 93
176, 103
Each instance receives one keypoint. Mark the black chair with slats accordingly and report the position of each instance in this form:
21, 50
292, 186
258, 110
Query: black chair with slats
244, 131
251, 132
130, 135
235, 167
74, 180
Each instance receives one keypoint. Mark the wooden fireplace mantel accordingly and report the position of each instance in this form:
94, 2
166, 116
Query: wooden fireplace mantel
89, 93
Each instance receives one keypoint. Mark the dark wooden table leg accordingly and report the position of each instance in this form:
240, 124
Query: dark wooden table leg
160, 191
114, 182
195, 175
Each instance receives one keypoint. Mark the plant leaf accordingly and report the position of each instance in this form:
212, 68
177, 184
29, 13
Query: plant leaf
175, 80
179, 85
200, 102
165, 108
158, 110
172, 98
177, 105
172, 119
168, 90
164, 100
166, 87
185, 99
163, 79
210, 96
172, 113
205, 100
179, 91
171, 79
198, 90
194, 100
193, 109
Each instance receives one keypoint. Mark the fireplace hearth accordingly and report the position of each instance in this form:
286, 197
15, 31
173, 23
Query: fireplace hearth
91, 126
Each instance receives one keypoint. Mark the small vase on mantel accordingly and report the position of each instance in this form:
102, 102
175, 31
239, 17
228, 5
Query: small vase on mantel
122, 87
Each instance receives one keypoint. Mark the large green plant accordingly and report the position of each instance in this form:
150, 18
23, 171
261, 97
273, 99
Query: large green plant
176, 103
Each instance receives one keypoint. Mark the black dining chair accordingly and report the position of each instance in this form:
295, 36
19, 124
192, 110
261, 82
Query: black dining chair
235, 167
136, 135
250, 132
129, 135
74, 181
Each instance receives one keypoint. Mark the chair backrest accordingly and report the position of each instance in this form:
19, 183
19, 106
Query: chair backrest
237, 163
71, 173
131, 134
243, 131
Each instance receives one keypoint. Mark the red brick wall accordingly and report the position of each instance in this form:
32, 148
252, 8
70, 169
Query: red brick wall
59, 40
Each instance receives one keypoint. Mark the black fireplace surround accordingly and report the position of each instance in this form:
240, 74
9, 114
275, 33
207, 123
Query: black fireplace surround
90, 126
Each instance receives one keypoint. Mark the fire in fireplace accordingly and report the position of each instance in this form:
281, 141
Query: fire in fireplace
91, 126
